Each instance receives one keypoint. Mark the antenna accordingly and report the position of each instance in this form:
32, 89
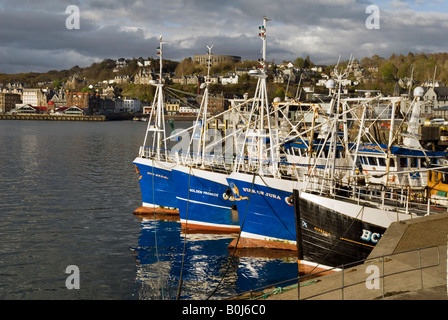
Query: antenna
209, 63
412, 80
434, 77
160, 54
262, 35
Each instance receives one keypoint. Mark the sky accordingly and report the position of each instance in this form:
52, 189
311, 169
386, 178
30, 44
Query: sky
34, 36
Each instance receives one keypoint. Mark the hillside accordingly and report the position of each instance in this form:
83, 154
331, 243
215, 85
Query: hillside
378, 73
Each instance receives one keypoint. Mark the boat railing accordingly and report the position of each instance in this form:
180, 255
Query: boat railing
403, 200
210, 160
374, 279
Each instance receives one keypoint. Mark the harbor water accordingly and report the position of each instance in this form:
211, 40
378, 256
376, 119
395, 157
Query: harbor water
68, 191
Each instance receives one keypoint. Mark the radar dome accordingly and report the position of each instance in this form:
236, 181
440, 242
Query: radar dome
330, 84
418, 92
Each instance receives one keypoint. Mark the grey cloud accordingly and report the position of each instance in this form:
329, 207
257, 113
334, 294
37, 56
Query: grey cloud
33, 34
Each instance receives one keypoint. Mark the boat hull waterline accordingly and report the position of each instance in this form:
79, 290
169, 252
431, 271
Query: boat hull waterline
156, 185
266, 211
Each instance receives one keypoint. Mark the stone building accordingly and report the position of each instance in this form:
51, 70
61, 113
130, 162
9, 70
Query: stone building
34, 97
8, 101
435, 98
144, 76
215, 59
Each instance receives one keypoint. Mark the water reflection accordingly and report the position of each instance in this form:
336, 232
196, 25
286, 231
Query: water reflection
208, 269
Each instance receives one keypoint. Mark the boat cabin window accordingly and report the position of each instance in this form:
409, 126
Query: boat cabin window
372, 161
444, 177
435, 176
403, 162
296, 151
413, 162
376, 161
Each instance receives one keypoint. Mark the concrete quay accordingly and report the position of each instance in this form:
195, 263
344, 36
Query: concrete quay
48, 117
413, 267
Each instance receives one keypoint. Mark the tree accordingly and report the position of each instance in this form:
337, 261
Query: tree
187, 67
308, 64
57, 83
388, 71
299, 63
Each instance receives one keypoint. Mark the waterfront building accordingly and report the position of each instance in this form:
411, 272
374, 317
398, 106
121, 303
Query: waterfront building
127, 105
106, 106
8, 101
132, 105
79, 99
34, 97
24, 109
188, 110
172, 107
119, 105
88, 102
58, 99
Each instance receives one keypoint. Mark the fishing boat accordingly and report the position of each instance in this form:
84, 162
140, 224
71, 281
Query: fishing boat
254, 163
200, 178
264, 179
342, 222
438, 185
153, 164
403, 164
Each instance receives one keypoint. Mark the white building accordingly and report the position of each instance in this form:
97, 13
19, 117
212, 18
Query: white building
188, 109
230, 80
132, 105
128, 105
34, 97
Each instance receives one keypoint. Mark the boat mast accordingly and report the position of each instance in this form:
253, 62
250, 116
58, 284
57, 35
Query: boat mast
202, 137
259, 131
158, 129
